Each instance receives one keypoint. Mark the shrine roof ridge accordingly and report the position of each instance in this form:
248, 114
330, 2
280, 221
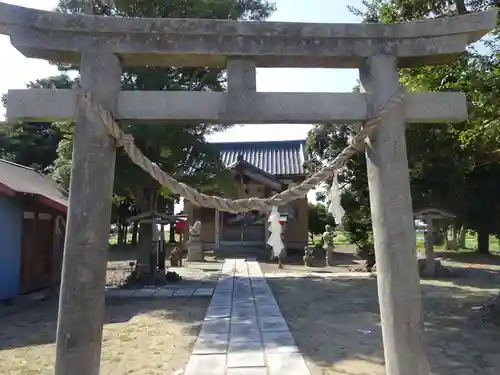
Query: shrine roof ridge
201, 42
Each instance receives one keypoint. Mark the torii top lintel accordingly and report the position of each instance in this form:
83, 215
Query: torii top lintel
194, 42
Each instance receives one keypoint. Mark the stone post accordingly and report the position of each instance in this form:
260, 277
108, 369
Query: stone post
241, 85
161, 250
82, 299
241, 75
429, 244
393, 228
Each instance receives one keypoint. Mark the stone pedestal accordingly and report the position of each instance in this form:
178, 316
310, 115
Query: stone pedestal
194, 244
329, 255
195, 252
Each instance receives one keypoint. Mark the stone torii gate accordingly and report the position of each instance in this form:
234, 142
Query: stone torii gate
103, 45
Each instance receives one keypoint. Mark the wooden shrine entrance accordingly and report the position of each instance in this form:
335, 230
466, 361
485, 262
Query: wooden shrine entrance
236, 230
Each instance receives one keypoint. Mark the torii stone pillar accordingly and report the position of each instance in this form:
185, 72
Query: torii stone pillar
82, 296
393, 227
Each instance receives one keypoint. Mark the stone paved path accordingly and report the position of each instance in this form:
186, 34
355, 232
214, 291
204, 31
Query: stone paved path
159, 292
198, 280
244, 332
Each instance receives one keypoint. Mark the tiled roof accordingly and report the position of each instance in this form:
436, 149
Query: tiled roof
278, 158
20, 179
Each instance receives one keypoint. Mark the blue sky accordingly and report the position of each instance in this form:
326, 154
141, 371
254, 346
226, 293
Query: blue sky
17, 70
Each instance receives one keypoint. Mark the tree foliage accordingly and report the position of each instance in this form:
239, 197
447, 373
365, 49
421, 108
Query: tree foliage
452, 166
179, 149
319, 217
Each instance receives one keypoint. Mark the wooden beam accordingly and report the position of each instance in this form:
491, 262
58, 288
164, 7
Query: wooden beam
182, 107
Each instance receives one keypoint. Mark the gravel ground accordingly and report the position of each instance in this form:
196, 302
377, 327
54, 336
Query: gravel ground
141, 337
337, 325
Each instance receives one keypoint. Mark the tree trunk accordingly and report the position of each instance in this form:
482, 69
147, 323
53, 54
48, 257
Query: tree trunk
171, 208
119, 234
172, 234
122, 233
438, 238
447, 244
455, 229
463, 234
161, 250
429, 248
146, 199
483, 242
460, 5
125, 233
135, 233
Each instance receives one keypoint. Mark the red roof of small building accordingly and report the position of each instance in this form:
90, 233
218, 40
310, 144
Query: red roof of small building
17, 179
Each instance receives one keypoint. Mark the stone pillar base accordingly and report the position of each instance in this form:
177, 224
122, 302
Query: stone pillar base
432, 268
329, 254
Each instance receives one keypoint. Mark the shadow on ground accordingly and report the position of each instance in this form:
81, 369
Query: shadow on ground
335, 321
37, 326
336, 324
470, 257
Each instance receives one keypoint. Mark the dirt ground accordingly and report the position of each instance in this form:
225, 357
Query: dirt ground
141, 337
336, 323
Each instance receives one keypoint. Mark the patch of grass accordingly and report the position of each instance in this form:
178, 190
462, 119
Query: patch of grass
470, 243
113, 239
340, 239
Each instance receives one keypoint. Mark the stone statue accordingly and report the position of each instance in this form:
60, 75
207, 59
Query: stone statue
328, 244
194, 244
176, 257
308, 256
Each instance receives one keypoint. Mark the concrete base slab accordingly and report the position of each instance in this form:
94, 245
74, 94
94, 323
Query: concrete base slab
211, 344
286, 363
279, 342
184, 292
164, 293
210, 364
119, 293
245, 354
144, 293
215, 326
214, 312
270, 323
203, 292
247, 371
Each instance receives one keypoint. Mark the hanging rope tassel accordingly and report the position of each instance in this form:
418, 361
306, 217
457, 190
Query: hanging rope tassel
275, 240
335, 206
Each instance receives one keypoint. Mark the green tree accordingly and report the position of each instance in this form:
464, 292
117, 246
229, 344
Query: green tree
33, 144
179, 150
319, 217
324, 143
452, 166
30, 144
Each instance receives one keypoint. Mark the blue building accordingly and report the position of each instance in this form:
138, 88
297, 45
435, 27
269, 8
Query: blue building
32, 226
